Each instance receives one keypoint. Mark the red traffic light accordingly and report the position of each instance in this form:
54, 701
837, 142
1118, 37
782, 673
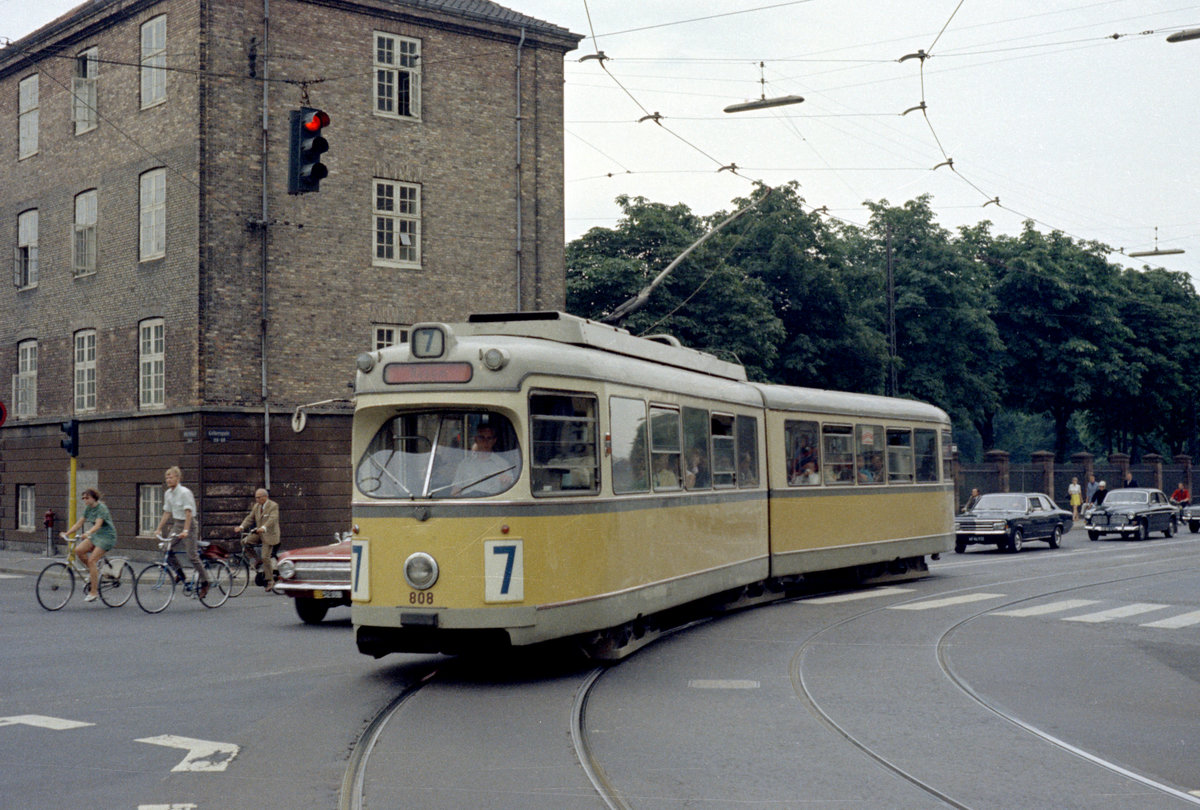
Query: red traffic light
318, 119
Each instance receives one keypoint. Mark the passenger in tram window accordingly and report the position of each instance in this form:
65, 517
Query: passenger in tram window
865, 474
664, 476
697, 475
810, 475
803, 456
747, 474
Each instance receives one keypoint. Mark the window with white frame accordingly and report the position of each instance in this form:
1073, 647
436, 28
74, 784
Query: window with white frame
389, 335
397, 212
85, 370
152, 210
83, 243
150, 508
151, 363
154, 62
25, 257
83, 91
24, 394
397, 76
27, 117
26, 507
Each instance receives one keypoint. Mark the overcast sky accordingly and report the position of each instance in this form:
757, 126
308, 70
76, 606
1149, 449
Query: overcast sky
1074, 113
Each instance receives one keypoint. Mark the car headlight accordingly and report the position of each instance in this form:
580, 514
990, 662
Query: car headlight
286, 569
1000, 526
420, 571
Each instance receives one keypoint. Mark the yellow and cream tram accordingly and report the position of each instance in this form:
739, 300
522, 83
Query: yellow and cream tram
535, 476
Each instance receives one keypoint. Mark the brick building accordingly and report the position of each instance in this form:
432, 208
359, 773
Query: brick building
170, 295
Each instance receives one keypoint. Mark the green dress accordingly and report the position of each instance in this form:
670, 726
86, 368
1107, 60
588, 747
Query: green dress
106, 536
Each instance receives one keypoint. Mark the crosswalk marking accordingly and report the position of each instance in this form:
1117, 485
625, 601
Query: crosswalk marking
929, 604
1122, 612
1049, 607
1175, 622
851, 597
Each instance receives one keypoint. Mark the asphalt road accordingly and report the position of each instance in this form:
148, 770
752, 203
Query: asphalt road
1065, 678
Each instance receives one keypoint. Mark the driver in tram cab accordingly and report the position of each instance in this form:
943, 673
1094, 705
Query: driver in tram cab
483, 471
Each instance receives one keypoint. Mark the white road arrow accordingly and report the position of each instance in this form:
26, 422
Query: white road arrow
42, 721
202, 755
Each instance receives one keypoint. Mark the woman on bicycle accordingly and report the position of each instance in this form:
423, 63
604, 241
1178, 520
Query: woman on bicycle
96, 541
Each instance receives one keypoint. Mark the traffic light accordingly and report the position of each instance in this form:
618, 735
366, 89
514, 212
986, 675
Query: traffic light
305, 169
71, 442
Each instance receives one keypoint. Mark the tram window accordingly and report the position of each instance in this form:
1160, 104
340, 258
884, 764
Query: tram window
724, 452
628, 430
696, 472
440, 454
869, 453
838, 441
899, 456
804, 460
925, 445
947, 456
747, 448
563, 457
664, 447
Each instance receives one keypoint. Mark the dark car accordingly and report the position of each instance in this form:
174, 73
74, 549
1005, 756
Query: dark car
1008, 519
1133, 513
318, 578
1191, 516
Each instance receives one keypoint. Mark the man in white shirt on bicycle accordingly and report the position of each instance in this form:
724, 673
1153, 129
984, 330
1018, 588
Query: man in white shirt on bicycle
179, 515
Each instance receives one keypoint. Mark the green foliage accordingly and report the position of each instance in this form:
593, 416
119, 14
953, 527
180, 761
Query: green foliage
1026, 339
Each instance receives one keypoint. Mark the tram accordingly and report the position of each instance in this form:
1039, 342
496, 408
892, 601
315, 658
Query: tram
527, 477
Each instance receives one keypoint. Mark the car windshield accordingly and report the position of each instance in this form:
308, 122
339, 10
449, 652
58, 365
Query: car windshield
1126, 496
440, 454
1006, 502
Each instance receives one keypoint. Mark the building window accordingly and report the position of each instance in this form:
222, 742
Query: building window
397, 76
151, 364
83, 90
150, 508
397, 211
26, 507
154, 62
83, 246
25, 258
85, 370
24, 395
152, 243
27, 117
390, 335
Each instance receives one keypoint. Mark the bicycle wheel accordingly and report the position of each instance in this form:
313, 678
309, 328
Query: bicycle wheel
220, 583
154, 588
116, 589
239, 569
55, 585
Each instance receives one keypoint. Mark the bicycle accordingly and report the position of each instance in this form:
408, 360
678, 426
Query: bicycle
154, 587
239, 565
56, 582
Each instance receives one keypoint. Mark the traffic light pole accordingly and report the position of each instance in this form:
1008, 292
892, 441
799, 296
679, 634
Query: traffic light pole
72, 498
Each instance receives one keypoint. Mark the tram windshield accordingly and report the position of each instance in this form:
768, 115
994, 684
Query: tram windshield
440, 454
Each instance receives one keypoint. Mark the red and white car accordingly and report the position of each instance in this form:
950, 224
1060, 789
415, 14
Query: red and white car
318, 578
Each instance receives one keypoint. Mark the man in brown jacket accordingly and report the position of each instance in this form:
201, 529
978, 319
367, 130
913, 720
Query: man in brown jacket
264, 518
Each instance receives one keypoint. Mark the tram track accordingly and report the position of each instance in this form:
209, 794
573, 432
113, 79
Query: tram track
796, 672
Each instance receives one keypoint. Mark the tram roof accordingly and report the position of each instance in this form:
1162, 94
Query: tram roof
816, 400
573, 330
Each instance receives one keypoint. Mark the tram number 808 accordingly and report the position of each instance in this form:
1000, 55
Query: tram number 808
420, 597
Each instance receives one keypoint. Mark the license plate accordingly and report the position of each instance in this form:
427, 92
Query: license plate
978, 538
327, 594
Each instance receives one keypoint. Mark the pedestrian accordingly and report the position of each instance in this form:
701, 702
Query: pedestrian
1092, 486
1100, 493
179, 513
95, 542
972, 500
1130, 481
264, 536
1076, 493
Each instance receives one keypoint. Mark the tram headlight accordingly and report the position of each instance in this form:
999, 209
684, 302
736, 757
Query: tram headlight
495, 359
286, 569
365, 362
420, 571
